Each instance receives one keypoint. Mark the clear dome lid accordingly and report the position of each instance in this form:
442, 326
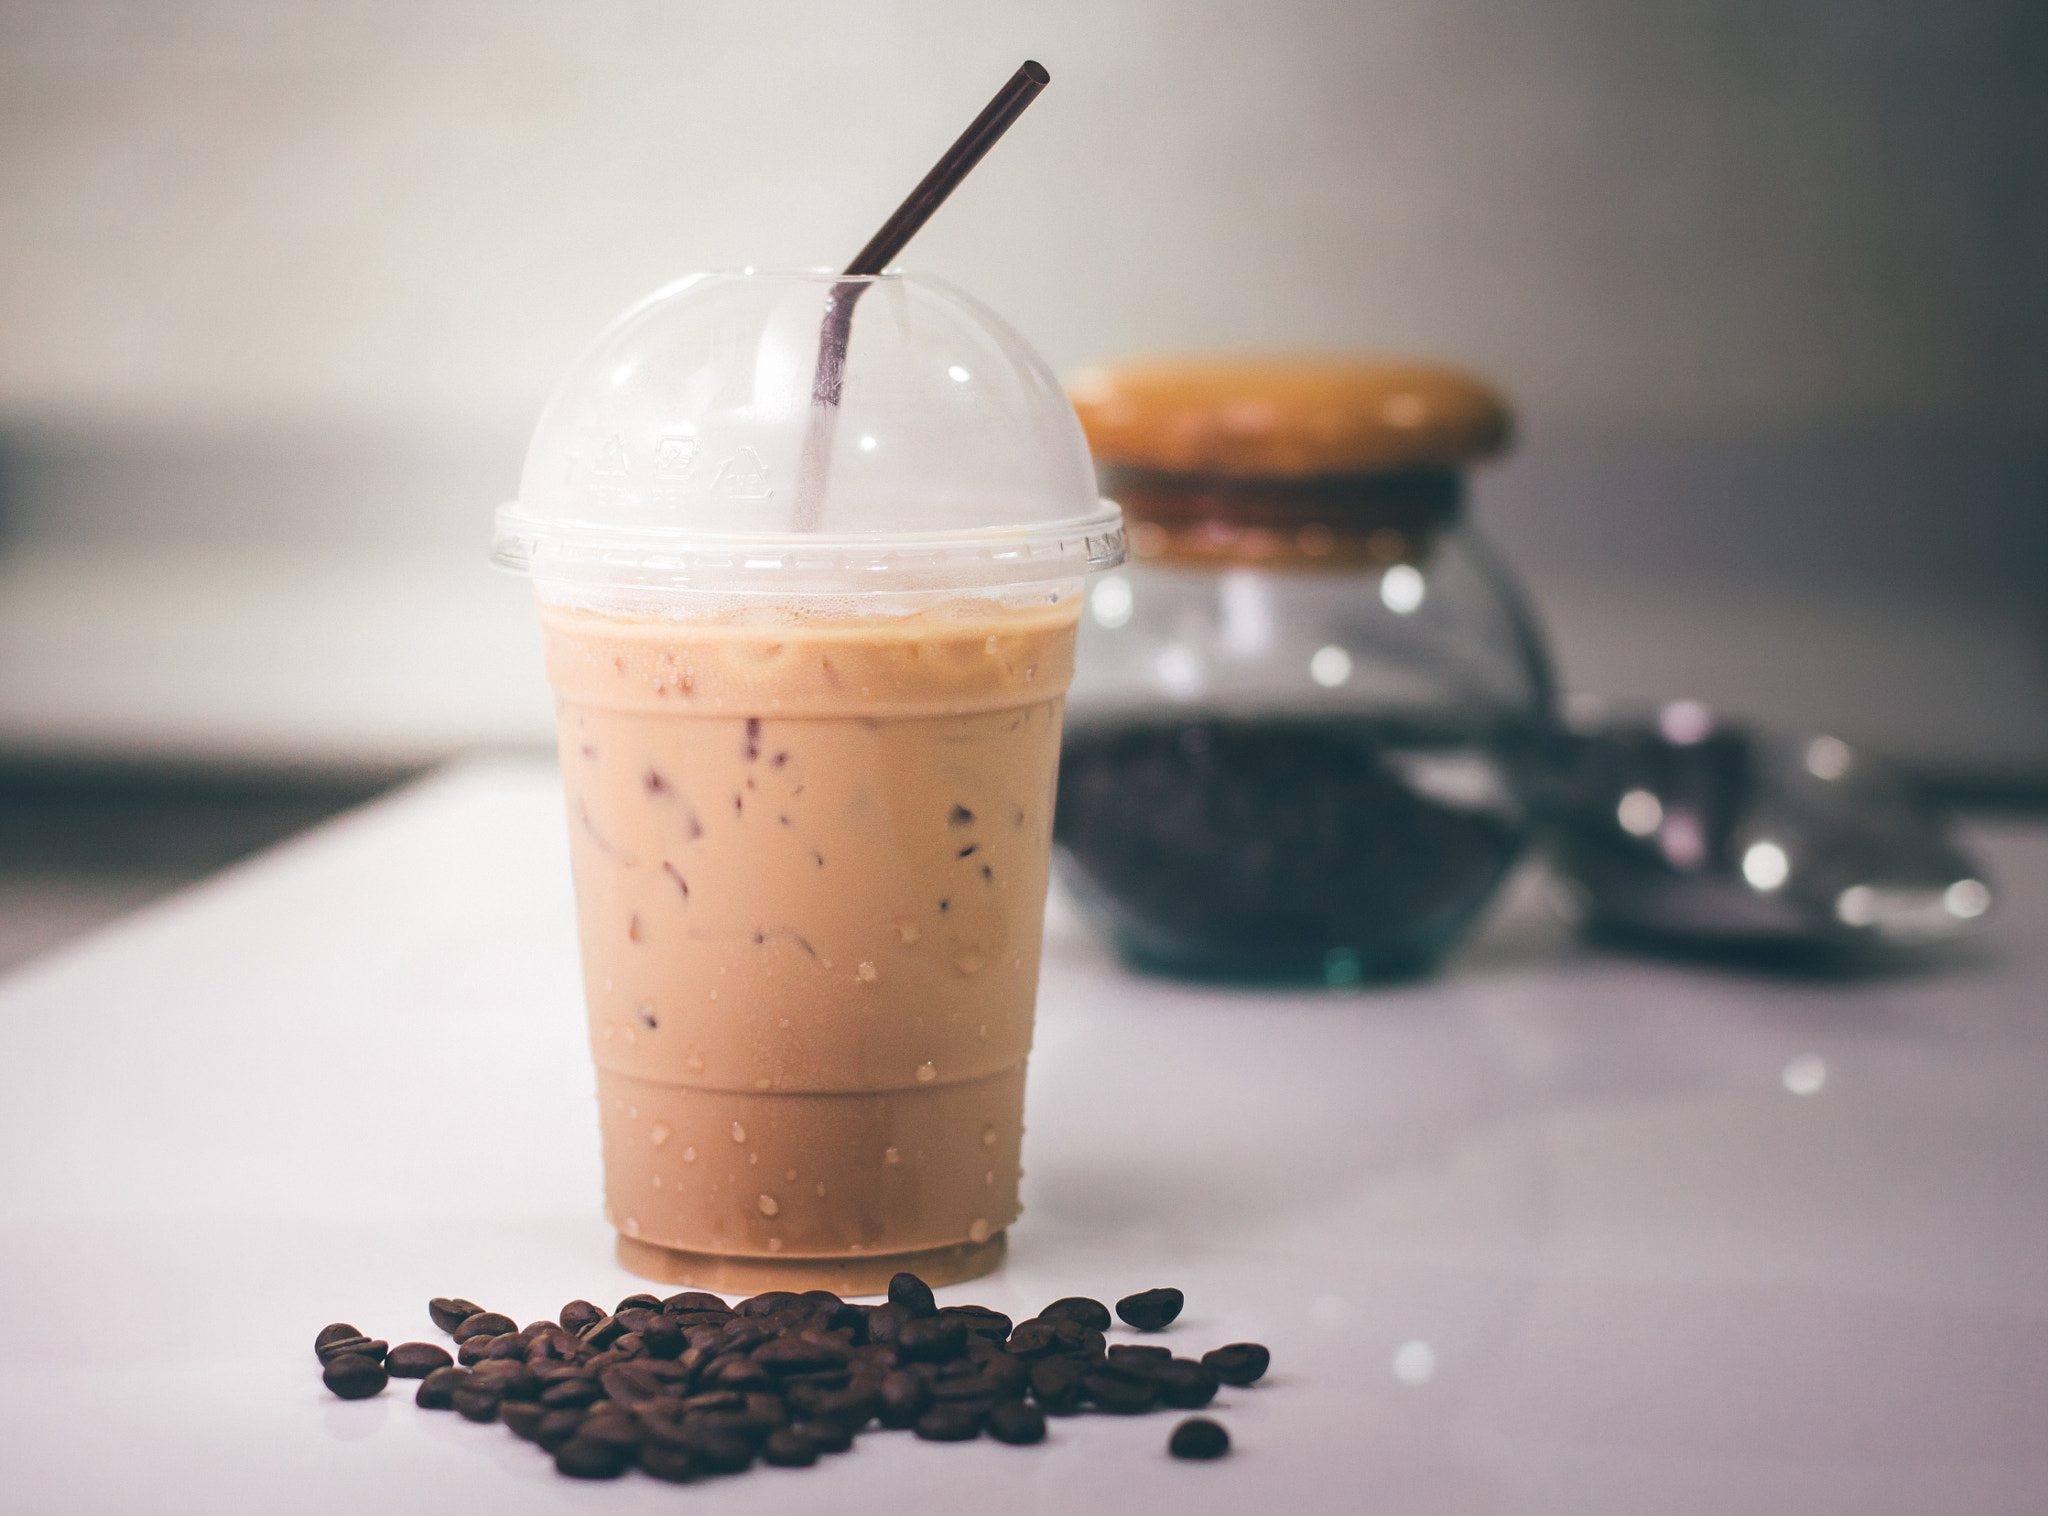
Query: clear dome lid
685, 450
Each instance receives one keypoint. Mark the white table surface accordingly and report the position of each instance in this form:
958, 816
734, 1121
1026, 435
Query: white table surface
1649, 1273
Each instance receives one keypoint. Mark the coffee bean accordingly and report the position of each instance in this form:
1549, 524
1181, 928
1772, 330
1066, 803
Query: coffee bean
913, 1295
948, 1423
716, 1400
1185, 1384
579, 1314
565, 1394
354, 1377
438, 1388
695, 1302
1090, 1313
1015, 1421
522, 1416
930, 1340
1118, 1396
1240, 1363
804, 1354
476, 1402
582, 1457
450, 1313
884, 1322
740, 1373
1033, 1340
1138, 1353
1150, 1310
557, 1427
630, 1383
415, 1360
629, 1345
1011, 1374
509, 1378
829, 1435
853, 1407
788, 1448
743, 1335
978, 1321
764, 1303
663, 1338
672, 1461
614, 1425
602, 1333
360, 1347
634, 1318
641, 1302
1198, 1437
904, 1398
820, 1300
717, 1451
340, 1331
1058, 1385
967, 1388
484, 1324
474, 1351
597, 1363
512, 1345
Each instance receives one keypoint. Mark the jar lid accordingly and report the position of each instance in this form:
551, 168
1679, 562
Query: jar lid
1287, 416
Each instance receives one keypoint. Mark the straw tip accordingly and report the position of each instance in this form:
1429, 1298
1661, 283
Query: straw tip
1035, 72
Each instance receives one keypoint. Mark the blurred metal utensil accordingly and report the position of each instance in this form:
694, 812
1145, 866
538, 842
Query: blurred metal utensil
1695, 834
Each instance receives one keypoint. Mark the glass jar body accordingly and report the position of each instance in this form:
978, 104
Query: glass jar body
1296, 771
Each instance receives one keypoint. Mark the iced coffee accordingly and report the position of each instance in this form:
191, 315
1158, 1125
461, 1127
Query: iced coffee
810, 664
810, 859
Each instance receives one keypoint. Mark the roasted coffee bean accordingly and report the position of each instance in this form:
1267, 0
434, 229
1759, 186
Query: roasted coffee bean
437, 1390
884, 1322
828, 1435
340, 1331
762, 1304
852, 1408
1010, 1374
716, 1400
1198, 1437
630, 1383
597, 1363
415, 1360
913, 1295
1055, 1334
693, 1322
1240, 1363
743, 1335
1016, 1421
672, 1461
978, 1321
1135, 1352
695, 1301
948, 1423
629, 1345
642, 1302
820, 1300
354, 1377
930, 1340
449, 1313
565, 1394
603, 1332
557, 1427
511, 1379
1058, 1385
1151, 1310
511, 1345
1034, 1339
966, 1387
522, 1416
634, 1318
476, 1402
675, 1372
717, 1451
579, 1314
788, 1448
484, 1324
474, 1351
361, 1347
1185, 1384
664, 1339
904, 1398
802, 1355
613, 1424
583, 1457
1119, 1396
1089, 1313
821, 1379
741, 1374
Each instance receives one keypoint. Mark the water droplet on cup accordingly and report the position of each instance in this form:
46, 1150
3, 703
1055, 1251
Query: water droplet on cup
739, 1133
694, 1062
890, 1155
768, 1205
658, 1133
988, 1135
926, 1073
865, 973
977, 1230
632, 1227
689, 1155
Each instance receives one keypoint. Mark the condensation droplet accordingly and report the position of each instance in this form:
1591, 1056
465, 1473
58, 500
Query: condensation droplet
977, 1230
989, 1178
926, 1073
739, 1133
983, 1032
764, 1084
768, 1206
694, 1062
657, 1181
753, 1158
658, 1133
774, 1244
890, 1155
632, 1227
790, 1177
607, 1034
821, 1189
988, 1135
865, 973
905, 929
633, 1111
969, 963
689, 1155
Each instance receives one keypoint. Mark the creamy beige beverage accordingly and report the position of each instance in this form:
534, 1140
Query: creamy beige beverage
810, 857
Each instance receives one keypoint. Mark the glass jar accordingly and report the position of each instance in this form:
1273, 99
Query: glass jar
1305, 719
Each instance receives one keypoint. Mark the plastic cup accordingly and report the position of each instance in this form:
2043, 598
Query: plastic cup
809, 774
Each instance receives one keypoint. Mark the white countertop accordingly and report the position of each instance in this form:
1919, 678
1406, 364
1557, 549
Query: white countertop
1672, 1239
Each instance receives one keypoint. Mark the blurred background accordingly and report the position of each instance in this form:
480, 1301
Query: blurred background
283, 285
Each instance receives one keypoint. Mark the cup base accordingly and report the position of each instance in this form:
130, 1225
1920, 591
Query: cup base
857, 1275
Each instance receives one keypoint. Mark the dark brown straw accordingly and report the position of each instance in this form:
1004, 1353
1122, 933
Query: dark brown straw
931, 192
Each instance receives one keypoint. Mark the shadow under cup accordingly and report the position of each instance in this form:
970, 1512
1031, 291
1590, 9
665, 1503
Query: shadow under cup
810, 857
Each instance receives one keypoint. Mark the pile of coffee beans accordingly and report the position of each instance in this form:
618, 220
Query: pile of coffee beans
690, 1387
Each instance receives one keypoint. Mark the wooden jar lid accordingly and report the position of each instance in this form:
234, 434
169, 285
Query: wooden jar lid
1287, 417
